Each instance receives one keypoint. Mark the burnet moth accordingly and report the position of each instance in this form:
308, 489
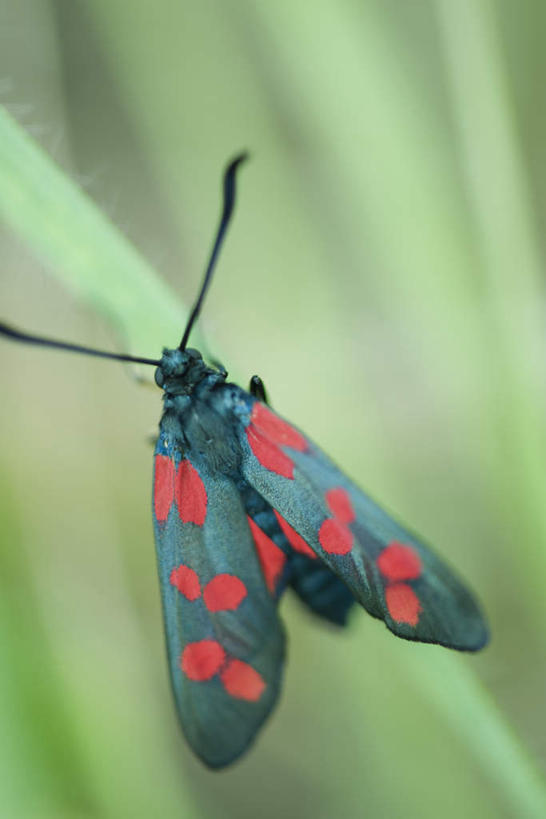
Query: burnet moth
244, 506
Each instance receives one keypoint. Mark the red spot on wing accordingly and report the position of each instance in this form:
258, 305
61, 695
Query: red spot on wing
340, 505
272, 559
163, 486
224, 592
335, 538
277, 430
186, 581
295, 540
190, 494
399, 562
269, 454
242, 681
403, 604
202, 660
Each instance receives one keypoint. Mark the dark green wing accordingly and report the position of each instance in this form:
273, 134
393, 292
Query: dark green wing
390, 571
224, 639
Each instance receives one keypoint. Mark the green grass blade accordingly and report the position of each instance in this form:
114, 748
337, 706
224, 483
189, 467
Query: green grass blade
448, 684
78, 243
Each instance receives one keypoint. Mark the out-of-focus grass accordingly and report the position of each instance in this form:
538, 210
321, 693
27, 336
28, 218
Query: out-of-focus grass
500, 202
372, 278
80, 245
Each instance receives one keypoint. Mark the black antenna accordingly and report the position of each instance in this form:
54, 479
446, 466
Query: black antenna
227, 210
229, 201
17, 335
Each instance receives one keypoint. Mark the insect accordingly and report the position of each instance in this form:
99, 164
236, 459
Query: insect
245, 506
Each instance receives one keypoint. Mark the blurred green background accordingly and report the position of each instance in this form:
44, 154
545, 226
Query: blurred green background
384, 275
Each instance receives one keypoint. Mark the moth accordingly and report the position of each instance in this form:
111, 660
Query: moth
245, 506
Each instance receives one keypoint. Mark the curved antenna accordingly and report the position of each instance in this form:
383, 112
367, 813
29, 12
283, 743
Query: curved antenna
227, 210
229, 202
18, 335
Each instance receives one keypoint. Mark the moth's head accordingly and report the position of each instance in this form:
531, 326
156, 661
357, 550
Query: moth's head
180, 370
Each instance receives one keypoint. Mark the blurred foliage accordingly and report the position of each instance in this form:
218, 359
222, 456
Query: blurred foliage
384, 274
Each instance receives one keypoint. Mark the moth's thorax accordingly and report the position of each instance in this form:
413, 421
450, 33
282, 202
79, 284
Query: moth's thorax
199, 410
181, 371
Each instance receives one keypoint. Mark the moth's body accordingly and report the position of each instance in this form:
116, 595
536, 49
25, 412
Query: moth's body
201, 411
246, 506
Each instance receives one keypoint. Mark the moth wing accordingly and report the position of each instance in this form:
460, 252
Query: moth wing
225, 642
389, 570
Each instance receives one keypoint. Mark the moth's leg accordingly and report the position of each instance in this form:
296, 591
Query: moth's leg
135, 374
134, 371
151, 438
257, 389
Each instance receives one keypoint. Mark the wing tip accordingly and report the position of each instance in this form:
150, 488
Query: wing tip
214, 759
469, 641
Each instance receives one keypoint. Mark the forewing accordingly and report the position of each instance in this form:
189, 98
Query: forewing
224, 640
391, 572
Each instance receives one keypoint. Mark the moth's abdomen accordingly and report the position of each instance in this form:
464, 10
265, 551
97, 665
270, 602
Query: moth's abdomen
287, 560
